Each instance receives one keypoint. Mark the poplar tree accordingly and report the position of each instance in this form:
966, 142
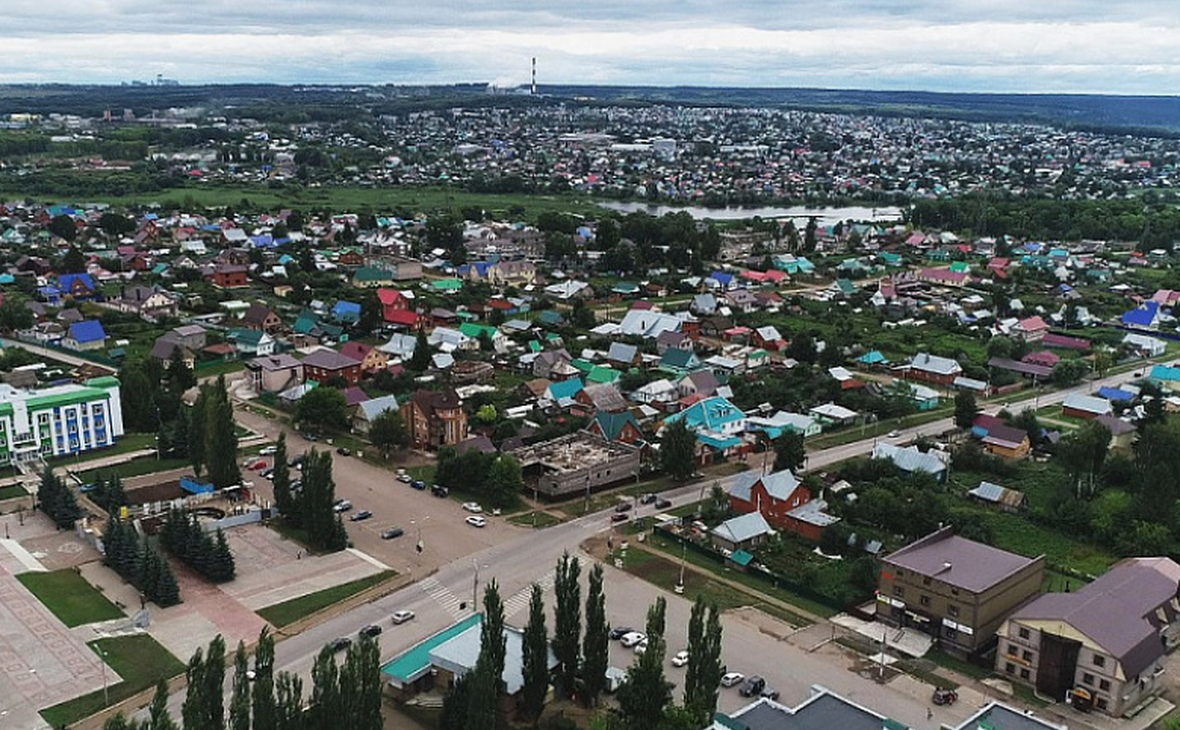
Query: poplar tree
596, 642
646, 692
264, 696
535, 657
567, 622
702, 676
239, 703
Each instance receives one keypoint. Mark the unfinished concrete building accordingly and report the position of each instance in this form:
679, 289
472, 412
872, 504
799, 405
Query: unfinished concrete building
576, 463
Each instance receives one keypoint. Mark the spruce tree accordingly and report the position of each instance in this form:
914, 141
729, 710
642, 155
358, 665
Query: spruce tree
567, 622
535, 657
223, 559
281, 482
596, 643
239, 703
198, 431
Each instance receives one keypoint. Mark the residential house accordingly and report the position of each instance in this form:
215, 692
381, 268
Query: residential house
957, 590
778, 497
397, 309
660, 393
834, 414
371, 277
622, 356
1006, 441
1144, 345
1122, 432
77, 287
1079, 405
227, 276
672, 340
274, 373
346, 313
85, 336
744, 532
783, 422
1008, 500
718, 425
1031, 329
768, 338
602, 397
621, 426
261, 318
165, 349
251, 343
400, 347
371, 358
435, 419
1099, 647
149, 304
678, 362
933, 369
554, 365
368, 410
323, 365
909, 459
701, 383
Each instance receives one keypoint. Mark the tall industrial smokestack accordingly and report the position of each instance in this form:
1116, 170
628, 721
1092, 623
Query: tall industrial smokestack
534, 87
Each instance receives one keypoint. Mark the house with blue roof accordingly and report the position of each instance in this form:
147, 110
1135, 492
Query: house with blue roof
1144, 317
85, 335
562, 393
346, 312
1166, 377
721, 280
1116, 395
79, 287
719, 427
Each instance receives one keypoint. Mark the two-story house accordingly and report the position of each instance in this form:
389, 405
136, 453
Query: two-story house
435, 419
323, 364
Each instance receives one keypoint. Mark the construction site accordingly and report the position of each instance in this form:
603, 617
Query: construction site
577, 463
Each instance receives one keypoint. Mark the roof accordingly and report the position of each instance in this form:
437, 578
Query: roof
934, 364
711, 414
460, 653
1086, 403
814, 513
622, 352
415, 661
329, 360
779, 485
1005, 435
958, 561
281, 361
909, 458
822, 711
1116, 426
742, 528
612, 424
994, 493
1118, 611
995, 716
88, 330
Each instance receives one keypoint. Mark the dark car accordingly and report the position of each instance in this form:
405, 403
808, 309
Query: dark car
339, 644
647, 498
370, 630
770, 694
439, 490
619, 632
623, 507
310, 437
344, 451
392, 533
619, 517
752, 686
662, 503
362, 515
418, 484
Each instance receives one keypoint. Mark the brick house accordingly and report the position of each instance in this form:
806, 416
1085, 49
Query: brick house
435, 419
774, 495
323, 365
933, 369
261, 318
371, 358
227, 276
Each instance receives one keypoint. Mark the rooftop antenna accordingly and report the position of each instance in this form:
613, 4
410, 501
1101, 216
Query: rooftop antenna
533, 91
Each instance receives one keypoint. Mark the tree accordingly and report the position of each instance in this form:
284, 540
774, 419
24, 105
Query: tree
567, 622
481, 701
326, 707
420, 360
192, 711
455, 704
317, 499
281, 483
62, 226
197, 430
289, 713
265, 717
492, 640
158, 715
678, 450
58, 501
789, 451
15, 314
646, 692
702, 676
372, 312
239, 703
809, 235
180, 376
504, 481
360, 686
221, 439
323, 408
1068, 372
596, 642
388, 432
73, 262
535, 657
1082, 454
965, 409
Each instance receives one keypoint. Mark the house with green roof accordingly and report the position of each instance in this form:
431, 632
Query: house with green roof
602, 374
60, 420
621, 426
679, 362
446, 285
371, 277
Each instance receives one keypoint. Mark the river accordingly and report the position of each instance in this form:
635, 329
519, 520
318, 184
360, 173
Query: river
823, 216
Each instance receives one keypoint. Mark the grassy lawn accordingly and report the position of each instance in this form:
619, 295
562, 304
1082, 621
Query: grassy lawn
12, 492
126, 444
537, 519
139, 660
855, 433
69, 597
288, 612
212, 370
136, 468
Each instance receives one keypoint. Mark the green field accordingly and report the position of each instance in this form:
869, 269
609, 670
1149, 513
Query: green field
537, 519
139, 660
126, 444
288, 612
12, 492
135, 468
69, 597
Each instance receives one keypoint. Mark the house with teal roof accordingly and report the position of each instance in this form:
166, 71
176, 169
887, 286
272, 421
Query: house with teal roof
891, 259
718, 424
679, 362
602, 374
622, 426
562, 392
872, 357
446, 285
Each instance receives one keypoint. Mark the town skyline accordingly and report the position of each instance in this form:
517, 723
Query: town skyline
997, 47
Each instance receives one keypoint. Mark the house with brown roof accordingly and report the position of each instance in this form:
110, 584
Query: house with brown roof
149, 304
261, 318
435, 419
1101, 646
371, 358
274, 373
227, 276
956, 590
323, 364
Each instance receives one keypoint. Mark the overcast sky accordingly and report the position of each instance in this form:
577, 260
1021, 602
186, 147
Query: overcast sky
1107, 46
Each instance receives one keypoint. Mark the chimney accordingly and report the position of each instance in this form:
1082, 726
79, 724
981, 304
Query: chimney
945, 567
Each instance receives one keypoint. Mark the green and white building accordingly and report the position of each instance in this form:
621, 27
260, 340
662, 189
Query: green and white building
63, 419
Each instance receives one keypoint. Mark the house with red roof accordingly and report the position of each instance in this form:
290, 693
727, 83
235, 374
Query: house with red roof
371, 358
392, 302
1032, 329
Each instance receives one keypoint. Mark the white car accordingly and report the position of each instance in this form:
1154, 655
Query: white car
402, 616
631, 639
267, 450
641, 647
477, 521
680, 659
472, 507
729, 679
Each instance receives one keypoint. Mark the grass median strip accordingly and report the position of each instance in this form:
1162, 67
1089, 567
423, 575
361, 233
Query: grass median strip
139, 660
288, 612
69, 597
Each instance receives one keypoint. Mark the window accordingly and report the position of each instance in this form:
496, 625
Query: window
1023, 633
1010, 668
954, 591
1088, 678
952, 610
925, 600
1099, 660
1013, 650
926, 581
1102, 703
948, 632
898, 591
1104, 685
1026, 655
1024, 674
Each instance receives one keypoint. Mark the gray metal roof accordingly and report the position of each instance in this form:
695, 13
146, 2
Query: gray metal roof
742, 528
958, 561
822, 711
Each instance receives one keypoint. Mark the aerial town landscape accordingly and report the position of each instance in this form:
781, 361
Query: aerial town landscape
439, 405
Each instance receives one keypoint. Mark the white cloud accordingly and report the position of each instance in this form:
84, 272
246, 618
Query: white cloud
1002, 45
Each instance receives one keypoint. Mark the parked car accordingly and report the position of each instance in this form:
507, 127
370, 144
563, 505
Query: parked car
680, 659
472, 507
342, 505
362, 515
894, 434
623, 507
392, 532
370, 630
310, 437
439, 490
770, 694
619, 517
662, 503
752, 686
477, 521
402, 616
267, 450
267, 474
260, 464
944, 696
404, 478
344, 451
641, 647
619, 632
630, 640
729, 679
418, 484
339, 644
647, 498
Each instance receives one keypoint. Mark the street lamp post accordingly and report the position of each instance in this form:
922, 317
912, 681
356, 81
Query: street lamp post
683, 558
102, 659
